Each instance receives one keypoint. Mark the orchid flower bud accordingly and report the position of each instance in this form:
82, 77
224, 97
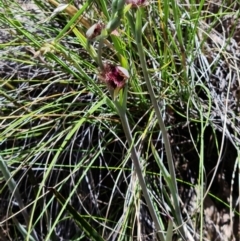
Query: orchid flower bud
94, 31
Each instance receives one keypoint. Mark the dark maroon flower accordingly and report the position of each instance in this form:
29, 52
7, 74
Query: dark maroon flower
114, 76
137, 3
95, 30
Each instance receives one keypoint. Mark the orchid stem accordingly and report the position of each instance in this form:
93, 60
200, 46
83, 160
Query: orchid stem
100, 46
135, 158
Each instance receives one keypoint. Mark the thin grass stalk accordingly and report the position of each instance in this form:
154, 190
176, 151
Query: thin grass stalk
138, 38
201, 173
238, 158
12, 186
231, 208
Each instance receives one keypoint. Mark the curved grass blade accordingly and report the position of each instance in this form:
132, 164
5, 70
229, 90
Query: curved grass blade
81, 222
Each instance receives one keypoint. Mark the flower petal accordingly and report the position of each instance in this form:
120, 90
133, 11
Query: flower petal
94, 30
114, 76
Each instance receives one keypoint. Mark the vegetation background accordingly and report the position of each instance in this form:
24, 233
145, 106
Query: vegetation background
66, 171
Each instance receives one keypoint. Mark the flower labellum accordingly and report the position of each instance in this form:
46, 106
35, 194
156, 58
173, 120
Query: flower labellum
114, 76
95, 30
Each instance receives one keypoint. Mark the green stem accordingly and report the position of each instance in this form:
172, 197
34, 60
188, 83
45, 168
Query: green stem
140, 47
100, 46
135, 158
